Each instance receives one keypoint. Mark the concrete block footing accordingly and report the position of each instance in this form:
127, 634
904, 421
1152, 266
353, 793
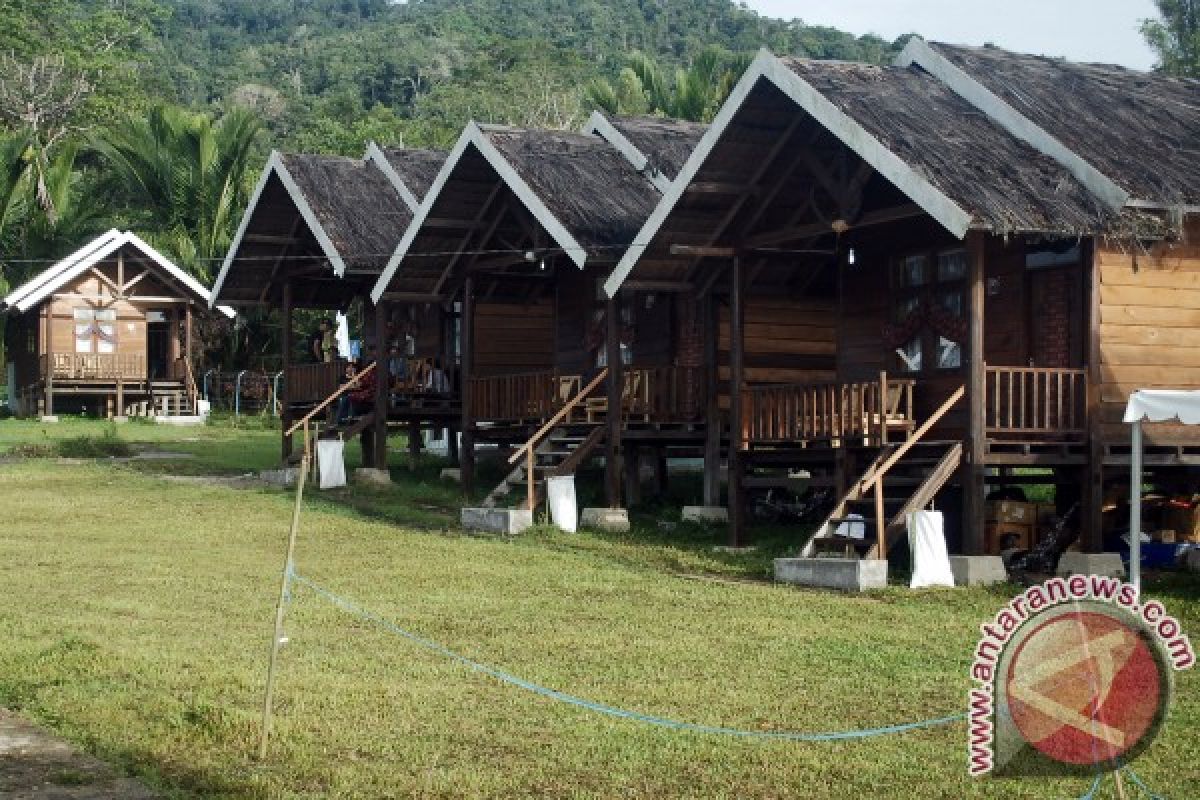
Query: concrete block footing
507, 521
451, 474
279, 477
1106, 564
613, 520
373, 476
848, 574
978, 570
706, 515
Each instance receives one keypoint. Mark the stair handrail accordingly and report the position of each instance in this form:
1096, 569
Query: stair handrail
341, 390
558, 417
876, 475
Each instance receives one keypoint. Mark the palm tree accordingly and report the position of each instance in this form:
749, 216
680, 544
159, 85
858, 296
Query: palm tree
186, 173
693, 93
15, 171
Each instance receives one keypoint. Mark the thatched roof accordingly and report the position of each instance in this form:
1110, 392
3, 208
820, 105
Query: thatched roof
1140, 129
416, 168
328, 223
1003, 183
358, 208
585, 183
667, 143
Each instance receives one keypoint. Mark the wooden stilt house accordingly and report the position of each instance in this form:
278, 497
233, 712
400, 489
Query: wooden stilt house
108, 330
315, 236
518, 233
974, 255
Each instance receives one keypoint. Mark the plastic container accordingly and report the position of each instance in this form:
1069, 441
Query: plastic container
560, 495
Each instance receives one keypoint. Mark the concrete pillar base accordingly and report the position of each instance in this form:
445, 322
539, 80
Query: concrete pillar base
453, 474
373, 476
848, 574
120, 418
706, 515
507, 521
48, 418
1106, 564
613, 520
978, 570
279, 477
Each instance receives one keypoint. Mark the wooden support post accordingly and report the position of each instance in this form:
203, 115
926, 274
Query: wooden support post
49, 379
414, 444
712, 429
467, 332
285, 363
1091, 510
973, 469
531, 479
612, 448
737, 316
661, 478
120, 395
383, 387
631, 459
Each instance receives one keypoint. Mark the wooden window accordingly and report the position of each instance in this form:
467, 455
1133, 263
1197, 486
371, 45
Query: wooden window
928, 320
95, 330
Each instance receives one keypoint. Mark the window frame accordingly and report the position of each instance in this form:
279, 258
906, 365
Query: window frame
928, 293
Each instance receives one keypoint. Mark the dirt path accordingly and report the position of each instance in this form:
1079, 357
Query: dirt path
35, 765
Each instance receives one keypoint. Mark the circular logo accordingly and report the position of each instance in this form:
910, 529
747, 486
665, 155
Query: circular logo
1086, 687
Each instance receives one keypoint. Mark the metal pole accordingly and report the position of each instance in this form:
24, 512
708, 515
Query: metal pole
284, 589
237, 394
276, 406
1135, 506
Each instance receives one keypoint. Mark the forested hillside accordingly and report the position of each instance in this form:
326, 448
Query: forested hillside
326, 74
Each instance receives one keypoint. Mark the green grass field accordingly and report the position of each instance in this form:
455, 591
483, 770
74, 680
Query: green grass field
137, 614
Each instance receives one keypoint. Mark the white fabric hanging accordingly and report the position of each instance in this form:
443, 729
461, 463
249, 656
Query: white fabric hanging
927, 540
331, 463
341, 335
1160, 405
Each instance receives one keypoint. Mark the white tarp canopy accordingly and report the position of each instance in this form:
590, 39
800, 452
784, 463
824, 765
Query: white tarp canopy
1150, 405
1163, 405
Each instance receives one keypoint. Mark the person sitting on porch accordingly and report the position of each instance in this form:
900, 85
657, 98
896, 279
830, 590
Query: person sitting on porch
362, 396
329, 348
397, 365
345, 407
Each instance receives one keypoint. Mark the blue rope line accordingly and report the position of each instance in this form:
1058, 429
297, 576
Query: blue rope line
600, 708
1090, 794
1128, 770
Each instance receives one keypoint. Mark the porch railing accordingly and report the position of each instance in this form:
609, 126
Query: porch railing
1035, 403
95, 366
312, 383
523, 396
665, 394
827, 412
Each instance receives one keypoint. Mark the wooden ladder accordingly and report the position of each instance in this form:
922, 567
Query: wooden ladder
543, 444
930, 465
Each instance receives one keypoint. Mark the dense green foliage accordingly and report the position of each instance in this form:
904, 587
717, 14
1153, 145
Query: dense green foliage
1176, 36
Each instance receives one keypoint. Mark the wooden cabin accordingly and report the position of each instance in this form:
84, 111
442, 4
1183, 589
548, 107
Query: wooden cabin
975, 255
107, 330
315, 236
518, 233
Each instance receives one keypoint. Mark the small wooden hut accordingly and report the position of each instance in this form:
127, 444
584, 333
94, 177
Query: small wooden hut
929, 275
315, 235
107, 329
518, 233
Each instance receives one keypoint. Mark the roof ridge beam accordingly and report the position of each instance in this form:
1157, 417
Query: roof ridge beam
918, 52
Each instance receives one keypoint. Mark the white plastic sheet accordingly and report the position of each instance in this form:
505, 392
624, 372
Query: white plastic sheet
854, 527
341, 335
331, 463
927, 540
1160, 405
564, 511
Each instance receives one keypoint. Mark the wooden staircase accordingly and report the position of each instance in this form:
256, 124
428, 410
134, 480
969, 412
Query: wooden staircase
901, 479
561, 452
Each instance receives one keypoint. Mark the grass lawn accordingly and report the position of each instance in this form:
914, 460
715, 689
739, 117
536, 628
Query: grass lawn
137, 615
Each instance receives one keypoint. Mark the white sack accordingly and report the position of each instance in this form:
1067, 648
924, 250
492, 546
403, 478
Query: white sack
927, 540
560, 492
331, 463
